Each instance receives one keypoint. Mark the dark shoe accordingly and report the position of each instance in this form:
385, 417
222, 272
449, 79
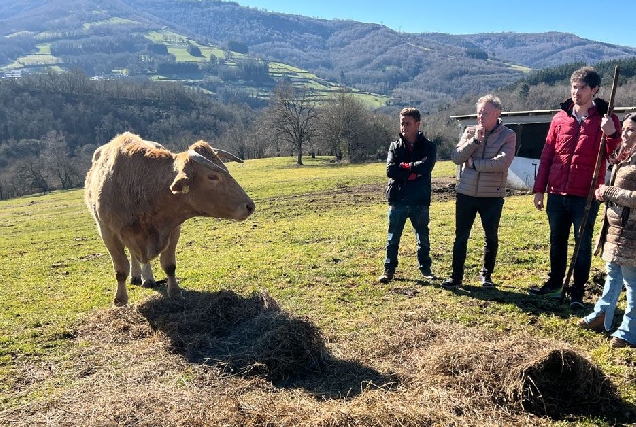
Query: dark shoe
547, 290
487, 282
386, 277
428, 275
451, 283
620, 343
597, 324
576, 298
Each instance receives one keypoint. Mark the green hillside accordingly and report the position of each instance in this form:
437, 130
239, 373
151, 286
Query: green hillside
206, 67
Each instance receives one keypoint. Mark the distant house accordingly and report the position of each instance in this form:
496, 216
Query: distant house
531, 128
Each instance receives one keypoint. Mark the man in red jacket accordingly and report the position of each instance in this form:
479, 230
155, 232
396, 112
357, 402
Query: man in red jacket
565, 172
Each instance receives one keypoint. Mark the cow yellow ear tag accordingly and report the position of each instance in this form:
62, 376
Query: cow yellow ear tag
185, 189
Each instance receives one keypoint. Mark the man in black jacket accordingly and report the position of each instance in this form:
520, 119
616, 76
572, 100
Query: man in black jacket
408, 165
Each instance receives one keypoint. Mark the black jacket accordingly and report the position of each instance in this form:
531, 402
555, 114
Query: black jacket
414, 192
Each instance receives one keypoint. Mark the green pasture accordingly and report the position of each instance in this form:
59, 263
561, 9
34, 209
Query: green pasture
177, 45
107, 22
315, 244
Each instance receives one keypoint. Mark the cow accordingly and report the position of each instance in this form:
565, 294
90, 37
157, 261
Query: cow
140, 193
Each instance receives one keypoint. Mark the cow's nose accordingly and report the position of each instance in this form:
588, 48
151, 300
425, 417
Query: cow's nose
250, 207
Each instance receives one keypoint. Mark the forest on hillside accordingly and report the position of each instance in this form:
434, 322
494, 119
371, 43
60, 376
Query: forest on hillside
226, 50
51, 123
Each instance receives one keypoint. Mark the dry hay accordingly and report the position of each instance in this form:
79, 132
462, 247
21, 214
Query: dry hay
222, 359
558, 382
540, 377
248, 336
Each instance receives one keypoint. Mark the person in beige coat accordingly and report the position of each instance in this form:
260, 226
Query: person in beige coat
617, 243
485, 153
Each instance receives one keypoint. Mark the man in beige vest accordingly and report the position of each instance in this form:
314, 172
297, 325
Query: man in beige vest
485, 152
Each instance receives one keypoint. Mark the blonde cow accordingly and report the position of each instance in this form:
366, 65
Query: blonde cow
140, 193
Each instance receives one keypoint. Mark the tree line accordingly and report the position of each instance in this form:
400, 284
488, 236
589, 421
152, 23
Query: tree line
50, 124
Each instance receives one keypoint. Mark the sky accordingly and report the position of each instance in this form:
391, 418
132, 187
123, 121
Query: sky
594, 20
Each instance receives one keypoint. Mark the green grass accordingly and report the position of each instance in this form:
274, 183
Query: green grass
315, 243
108, 22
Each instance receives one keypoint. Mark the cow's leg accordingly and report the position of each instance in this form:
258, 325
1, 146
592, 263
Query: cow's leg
141, 274
135, 271
120, 263
147, 278
169, 262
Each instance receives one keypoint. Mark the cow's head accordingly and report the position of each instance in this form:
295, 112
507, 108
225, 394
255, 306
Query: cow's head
209, 187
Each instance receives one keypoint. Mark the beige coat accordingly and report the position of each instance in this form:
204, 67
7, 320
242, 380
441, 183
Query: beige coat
620, 211
492, 158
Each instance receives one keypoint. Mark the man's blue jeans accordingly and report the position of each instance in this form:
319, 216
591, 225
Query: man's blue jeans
565, 211
617, 276
419, 216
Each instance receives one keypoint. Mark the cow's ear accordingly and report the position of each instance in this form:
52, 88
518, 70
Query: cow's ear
180, 184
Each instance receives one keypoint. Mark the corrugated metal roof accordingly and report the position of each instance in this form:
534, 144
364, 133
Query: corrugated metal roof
531, 116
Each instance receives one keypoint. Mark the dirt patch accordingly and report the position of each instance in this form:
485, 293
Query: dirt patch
442, 189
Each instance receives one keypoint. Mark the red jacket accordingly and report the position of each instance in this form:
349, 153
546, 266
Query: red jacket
569, 154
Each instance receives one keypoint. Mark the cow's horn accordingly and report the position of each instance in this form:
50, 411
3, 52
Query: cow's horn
204, 161
227, 155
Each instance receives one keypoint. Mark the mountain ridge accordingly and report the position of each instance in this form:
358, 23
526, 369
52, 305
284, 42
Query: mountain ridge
427, 70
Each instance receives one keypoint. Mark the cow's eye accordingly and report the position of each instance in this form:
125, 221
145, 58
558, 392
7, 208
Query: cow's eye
213, 177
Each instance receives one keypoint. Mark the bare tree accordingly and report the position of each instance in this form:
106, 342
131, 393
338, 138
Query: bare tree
57, 163
347, 129
291, 115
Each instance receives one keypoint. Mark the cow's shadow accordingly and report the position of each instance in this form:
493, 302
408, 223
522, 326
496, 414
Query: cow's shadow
253, 336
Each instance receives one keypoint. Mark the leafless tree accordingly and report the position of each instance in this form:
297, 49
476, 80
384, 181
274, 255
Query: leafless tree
57, 162
291, 116
347, 129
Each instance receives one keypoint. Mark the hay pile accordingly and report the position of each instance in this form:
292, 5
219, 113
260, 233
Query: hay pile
541, 377
222, 359
244, 335
558, 382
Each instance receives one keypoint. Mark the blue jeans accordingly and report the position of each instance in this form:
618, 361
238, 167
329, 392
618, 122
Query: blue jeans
563, 213
617, 276
466, 210
419, 216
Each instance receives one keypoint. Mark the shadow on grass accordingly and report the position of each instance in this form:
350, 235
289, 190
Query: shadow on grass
252, 336
537, 304
531, 304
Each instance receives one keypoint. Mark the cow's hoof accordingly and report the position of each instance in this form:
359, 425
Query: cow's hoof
135, 281
174, 292
120, 302
149, 284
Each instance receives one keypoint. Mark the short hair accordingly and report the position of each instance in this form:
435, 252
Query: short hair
490, 99
586, 75
411, 112
631, 116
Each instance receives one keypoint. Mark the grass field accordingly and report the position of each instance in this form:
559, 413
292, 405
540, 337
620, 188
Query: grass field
282, 321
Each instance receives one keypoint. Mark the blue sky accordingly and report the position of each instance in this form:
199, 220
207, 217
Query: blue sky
595, 20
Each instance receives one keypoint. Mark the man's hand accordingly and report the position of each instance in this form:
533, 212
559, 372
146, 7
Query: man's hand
538, 201
607, 125
470, 163
480, 132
